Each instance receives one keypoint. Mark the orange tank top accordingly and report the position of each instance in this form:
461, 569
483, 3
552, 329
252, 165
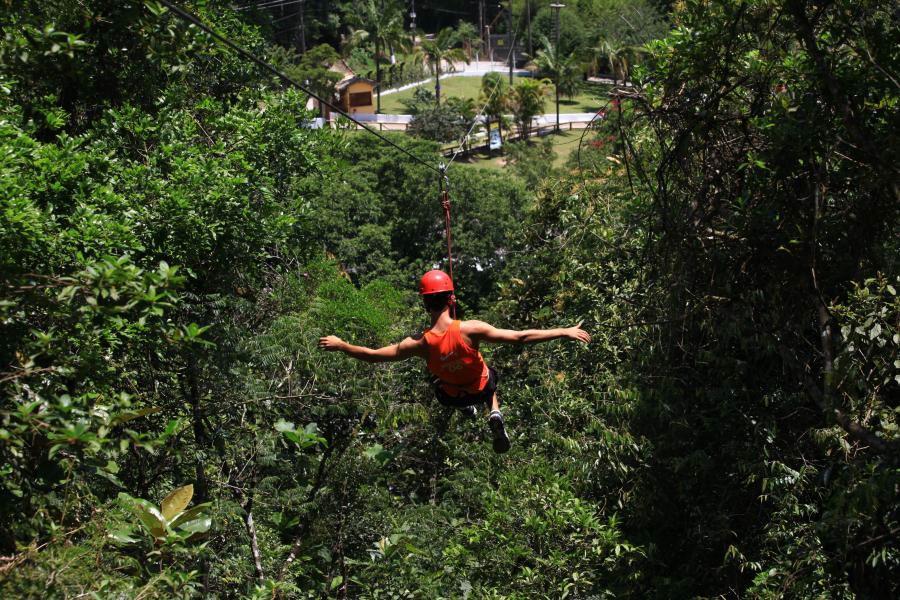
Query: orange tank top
460, 367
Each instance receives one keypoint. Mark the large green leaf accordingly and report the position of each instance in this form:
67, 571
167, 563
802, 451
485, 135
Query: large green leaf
177, 501
190, 514
283, 426
150, 516
126, 416
200, 525
122, 536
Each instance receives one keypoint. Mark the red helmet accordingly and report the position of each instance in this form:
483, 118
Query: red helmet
434, 282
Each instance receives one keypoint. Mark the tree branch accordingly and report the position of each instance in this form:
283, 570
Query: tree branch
254, 542
856, 431
318, 482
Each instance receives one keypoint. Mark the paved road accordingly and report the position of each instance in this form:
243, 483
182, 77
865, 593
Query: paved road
539, 121
477, 69
474, 69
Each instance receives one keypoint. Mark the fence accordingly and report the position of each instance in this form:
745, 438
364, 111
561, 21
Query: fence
567, 121
536, 131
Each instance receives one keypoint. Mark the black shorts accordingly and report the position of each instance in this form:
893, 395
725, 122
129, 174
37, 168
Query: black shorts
482, 397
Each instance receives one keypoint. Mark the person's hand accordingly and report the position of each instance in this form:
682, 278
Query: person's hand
578, 334
331, 343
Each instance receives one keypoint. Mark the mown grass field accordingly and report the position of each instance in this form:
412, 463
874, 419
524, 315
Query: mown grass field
564, 144
589, 98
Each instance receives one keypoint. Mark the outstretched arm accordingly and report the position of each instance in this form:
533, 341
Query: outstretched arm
485, 332
408, 348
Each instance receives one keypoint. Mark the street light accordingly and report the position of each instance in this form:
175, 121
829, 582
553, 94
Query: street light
512, 43
556, 6
528, 26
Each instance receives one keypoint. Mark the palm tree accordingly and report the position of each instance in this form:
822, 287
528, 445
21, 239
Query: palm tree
495, 97
467, 35
563, 69
467, 111
381, 24
616, 55
528, 102
439, 50
412, 64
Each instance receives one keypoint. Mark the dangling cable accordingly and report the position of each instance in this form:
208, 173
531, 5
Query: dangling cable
445, 204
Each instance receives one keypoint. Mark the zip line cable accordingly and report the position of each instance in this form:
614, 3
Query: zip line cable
274, 4
194, 20
443, 10
444, 182
488, 101
292, 15
440, 170
443, 186
465, 136
285, 18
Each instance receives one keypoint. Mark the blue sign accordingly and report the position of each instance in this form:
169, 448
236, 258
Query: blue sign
495, 140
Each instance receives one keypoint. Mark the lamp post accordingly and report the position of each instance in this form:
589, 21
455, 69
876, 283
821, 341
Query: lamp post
302, 29
556, 6
528, 25
512, 42
481, 25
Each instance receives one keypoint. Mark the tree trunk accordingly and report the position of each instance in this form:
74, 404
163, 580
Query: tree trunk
254, 542
825, 399
437, 83
318, 482
557, 103
302, 29
201, 486
377, 77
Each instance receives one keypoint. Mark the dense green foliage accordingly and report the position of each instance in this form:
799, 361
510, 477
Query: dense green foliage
527, 100
532, 162
445, 122
174, 239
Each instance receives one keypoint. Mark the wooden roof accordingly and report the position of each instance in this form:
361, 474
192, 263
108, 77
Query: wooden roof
344, 83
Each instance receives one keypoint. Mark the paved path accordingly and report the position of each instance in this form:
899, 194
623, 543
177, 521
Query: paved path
608, 81
477, 69
474, 69
539, 121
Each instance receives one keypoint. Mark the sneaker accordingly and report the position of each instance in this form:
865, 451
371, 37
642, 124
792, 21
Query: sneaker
501, 440
469, 412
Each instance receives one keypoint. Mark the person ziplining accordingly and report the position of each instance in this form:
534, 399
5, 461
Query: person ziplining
450, 347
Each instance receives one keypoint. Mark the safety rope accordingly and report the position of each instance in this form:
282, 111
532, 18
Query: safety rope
497, 86
445, 204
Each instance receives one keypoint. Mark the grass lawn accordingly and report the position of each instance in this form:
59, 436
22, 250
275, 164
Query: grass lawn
588, 99
564, 145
